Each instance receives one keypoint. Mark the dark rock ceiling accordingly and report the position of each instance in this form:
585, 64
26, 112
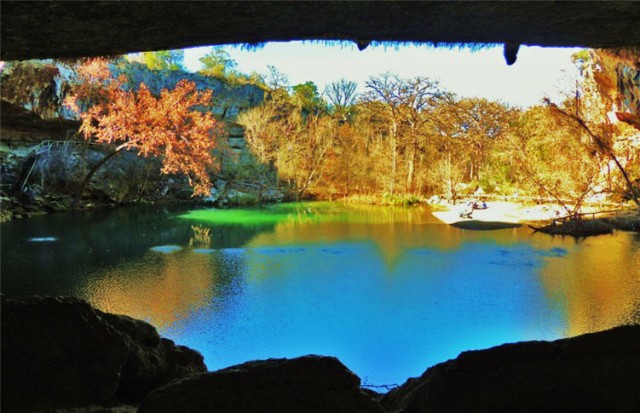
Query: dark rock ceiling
86, 28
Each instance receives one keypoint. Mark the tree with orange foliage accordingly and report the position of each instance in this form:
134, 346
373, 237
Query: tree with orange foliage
174, 125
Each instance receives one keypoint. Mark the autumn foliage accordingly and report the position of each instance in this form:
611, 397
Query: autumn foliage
174, 126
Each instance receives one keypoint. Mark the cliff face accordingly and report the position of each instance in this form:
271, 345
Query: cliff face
38, 87
228, 99
43, 160
618, 78
41, 86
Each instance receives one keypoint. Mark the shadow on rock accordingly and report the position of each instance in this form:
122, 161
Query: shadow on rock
305, 384
60, 352
593, 372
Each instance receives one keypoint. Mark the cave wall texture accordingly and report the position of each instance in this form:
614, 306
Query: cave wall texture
37, 30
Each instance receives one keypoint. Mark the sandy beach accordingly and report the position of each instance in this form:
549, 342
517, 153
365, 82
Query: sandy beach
501, 212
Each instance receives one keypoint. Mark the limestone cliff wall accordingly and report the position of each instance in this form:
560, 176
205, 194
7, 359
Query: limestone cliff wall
40, 87
43, 160
618, 77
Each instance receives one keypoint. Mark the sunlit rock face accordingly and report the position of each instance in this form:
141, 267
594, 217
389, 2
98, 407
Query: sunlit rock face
593, 372
618, 78
61, 352
33, 113
41, 87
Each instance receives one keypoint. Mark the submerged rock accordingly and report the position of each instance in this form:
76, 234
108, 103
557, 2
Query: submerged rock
305, 384
484, 225
626, 223
593, 372
578, 228
60, 352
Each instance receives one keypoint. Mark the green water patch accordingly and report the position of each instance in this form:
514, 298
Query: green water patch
249, 216
270, 214
308, 212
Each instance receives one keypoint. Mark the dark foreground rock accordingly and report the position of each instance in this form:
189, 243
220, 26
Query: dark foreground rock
60, 352
305, 384
593, 372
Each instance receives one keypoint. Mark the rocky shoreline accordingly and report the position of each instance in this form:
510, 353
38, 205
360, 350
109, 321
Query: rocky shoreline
60, 354
589, 227
540, 218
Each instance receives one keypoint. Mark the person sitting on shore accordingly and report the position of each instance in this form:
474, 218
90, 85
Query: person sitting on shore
468, 211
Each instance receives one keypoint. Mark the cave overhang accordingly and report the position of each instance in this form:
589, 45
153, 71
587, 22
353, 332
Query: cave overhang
64, 29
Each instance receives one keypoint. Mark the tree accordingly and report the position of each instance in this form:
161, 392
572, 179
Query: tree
275, 79
342, 96
296, 144
217, 63
602, 141
306, 96
382, 89
406, 103
553, 161
164, 60
173, 125
593, 113
480, 123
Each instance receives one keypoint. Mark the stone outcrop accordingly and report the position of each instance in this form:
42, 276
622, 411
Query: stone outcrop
41, 87
60, 352
43, 160
305, 384
228, 99
617, 73
593, 372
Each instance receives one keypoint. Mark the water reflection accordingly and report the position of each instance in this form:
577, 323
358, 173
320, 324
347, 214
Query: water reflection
597, 283
160, 288
390, 291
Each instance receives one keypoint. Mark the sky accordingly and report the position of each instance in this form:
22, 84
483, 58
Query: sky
538, 72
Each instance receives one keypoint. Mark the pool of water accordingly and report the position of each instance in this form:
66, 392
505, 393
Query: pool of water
389, 291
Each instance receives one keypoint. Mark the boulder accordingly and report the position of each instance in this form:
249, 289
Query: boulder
578, 228
593, 372
305, 384
61, 352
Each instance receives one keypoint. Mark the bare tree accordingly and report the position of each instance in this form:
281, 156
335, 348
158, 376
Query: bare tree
406, 103
341, 96
603, 142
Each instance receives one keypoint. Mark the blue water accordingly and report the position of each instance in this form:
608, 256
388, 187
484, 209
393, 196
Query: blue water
390, 292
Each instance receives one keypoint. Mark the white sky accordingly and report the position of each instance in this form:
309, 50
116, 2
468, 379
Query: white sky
537, 73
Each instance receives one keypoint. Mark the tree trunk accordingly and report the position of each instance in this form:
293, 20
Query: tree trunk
76, 201
394, 157
412, 165
23, 174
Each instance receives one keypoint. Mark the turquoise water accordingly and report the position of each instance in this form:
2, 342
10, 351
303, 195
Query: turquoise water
389, 291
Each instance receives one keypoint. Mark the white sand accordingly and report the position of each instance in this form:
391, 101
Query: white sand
502, 212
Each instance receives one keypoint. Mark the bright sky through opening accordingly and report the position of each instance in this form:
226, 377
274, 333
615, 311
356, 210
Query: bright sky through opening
539, 72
